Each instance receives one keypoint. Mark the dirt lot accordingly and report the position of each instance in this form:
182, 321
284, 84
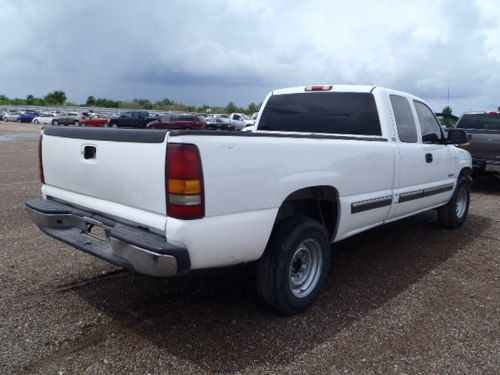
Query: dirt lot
408, 297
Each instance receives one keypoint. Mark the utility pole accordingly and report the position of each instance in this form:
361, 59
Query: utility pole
448, 96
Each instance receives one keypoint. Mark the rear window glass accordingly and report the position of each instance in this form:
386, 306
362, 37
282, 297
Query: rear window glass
479, 121
325, 112
405, 122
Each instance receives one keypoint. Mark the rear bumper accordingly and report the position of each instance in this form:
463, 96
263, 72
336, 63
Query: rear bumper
129, 247
486, 165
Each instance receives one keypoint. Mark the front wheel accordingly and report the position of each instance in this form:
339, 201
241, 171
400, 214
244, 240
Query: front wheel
55, 122
454, 213
36, 122
294, 266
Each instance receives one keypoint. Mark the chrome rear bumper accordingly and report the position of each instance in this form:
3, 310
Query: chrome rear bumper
129, 247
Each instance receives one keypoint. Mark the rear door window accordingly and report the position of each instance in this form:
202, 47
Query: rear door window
322, 112
405, 122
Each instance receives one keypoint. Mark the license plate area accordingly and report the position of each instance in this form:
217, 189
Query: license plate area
98, 232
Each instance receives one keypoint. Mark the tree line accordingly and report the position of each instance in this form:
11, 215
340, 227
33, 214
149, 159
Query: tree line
58, 98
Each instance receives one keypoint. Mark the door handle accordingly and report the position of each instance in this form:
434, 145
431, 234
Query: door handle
428, 157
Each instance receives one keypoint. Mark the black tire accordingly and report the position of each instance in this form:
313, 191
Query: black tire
76, 123
36, 122
454, 213
275, 269
55, 122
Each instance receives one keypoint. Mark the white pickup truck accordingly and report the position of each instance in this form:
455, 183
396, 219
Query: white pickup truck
240, 121
325, 163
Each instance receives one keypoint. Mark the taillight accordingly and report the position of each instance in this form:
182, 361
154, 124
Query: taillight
185, 198
319, 88
40, 161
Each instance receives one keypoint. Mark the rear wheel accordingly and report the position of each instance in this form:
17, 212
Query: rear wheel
454, 213
36, 122
294, 266
76, 123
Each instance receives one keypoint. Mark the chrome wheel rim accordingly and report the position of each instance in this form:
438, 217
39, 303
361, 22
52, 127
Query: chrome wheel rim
305, 268
461, 204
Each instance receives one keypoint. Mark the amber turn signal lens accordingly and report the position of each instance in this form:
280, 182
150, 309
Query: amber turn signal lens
176, 186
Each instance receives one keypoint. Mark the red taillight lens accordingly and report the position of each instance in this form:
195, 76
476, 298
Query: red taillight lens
319, 88
40, 161
185, 198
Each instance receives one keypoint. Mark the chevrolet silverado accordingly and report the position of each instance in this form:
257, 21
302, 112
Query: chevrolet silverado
325, 163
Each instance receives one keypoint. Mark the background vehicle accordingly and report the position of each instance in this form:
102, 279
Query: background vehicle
326, 163
96, 120
222, 116
44, 118
219, 124
67, 118
240, 120
177, 121
484, 140
27, 117
11, 115
131, 119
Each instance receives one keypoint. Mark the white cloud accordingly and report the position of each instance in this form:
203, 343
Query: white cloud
220, 50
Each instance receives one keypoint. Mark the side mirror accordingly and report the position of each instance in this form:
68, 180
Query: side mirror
430, 138
457, 136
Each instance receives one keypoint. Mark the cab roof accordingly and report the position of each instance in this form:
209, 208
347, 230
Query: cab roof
332, 88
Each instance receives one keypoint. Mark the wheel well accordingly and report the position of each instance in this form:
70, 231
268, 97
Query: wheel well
465, 171
320, 203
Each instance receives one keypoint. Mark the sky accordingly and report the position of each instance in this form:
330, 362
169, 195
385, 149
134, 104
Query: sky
216, 51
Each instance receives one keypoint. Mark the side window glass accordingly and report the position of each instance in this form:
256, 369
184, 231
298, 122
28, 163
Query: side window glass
405, 121
431, 130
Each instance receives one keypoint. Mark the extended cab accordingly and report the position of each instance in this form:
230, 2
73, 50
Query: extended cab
325, 163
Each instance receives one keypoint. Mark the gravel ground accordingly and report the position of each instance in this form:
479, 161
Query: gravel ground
408, 297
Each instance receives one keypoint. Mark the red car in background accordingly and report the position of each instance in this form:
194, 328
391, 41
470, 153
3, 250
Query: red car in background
96, 121
178, 121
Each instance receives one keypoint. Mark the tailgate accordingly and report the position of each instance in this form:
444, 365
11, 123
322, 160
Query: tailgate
484, 145
119, 172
